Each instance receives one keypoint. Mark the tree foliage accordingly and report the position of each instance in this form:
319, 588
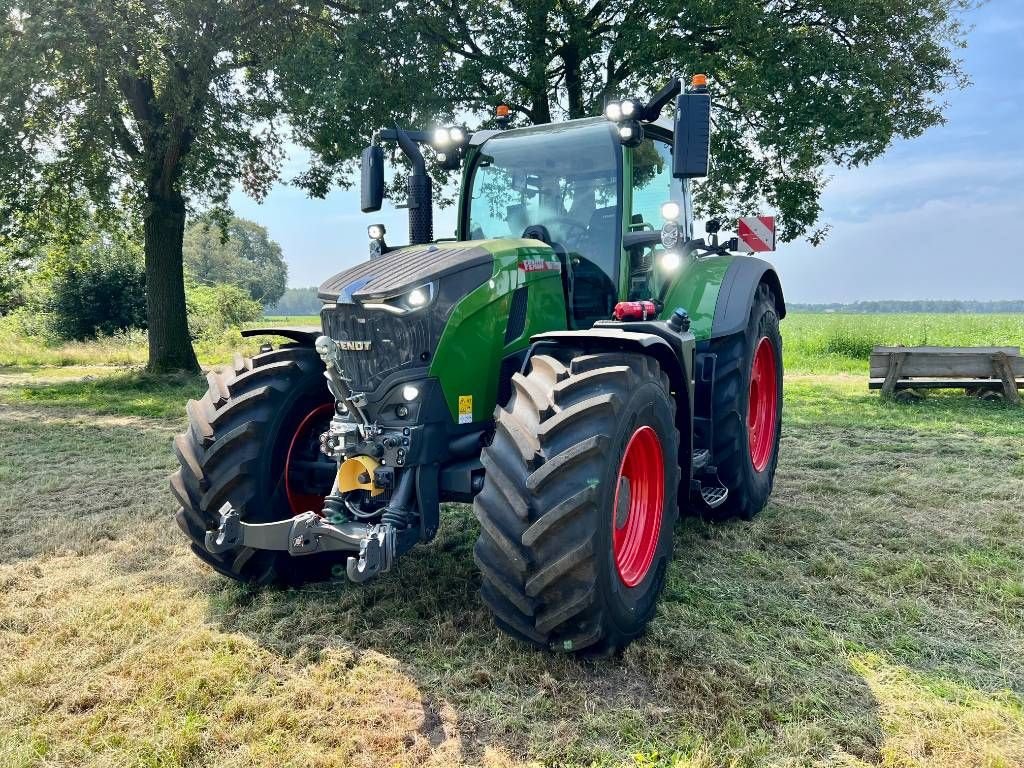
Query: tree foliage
240, 253
214, 309
798, 86
95, 286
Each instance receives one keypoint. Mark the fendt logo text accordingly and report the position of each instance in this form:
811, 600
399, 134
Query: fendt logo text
355, 346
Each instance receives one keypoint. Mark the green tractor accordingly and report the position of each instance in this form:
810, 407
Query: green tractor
574, 363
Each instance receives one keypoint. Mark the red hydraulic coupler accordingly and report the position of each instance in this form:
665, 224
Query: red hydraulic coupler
635, 310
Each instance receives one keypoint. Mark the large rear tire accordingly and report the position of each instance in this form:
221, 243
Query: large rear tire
253, 442
747, 407
579, 502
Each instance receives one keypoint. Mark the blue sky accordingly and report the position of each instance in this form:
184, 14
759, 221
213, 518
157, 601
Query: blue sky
938, 217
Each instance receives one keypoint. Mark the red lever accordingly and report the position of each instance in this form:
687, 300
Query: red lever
635, 310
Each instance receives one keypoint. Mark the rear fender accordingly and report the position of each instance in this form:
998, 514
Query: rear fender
732, 311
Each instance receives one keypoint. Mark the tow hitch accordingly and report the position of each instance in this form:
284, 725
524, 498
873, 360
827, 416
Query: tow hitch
373, 546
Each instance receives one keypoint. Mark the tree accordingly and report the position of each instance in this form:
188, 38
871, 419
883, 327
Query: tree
241, 253
94, 285
142, 104
797, 85
296, 301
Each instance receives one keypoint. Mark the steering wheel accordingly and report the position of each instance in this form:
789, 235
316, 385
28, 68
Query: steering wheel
576, 230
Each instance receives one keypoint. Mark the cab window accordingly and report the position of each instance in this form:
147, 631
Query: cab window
652, 184
564, 185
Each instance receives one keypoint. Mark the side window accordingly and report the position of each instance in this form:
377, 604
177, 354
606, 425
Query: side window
652, 184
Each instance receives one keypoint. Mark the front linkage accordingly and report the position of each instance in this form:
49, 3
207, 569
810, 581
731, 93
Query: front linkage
375, 546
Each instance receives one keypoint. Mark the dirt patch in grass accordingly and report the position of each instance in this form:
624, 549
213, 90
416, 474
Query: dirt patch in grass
874, 614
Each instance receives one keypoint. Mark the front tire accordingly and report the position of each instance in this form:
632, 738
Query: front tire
253, 442
579, 502
747, 408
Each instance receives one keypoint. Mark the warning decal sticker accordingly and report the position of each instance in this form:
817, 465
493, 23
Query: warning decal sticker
465, 409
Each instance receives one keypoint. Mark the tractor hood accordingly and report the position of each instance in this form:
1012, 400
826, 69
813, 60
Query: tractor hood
399, 271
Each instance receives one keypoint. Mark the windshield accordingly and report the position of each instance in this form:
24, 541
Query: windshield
565, 179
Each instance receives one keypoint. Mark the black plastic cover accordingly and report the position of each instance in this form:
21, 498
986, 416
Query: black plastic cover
692, 136
371, 186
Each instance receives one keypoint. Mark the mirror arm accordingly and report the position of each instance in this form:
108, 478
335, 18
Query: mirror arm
652, 110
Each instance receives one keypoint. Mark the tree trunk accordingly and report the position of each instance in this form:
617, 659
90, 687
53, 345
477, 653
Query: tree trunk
170, 347
573, 81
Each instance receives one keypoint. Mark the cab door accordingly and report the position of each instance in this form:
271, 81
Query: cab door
649, 185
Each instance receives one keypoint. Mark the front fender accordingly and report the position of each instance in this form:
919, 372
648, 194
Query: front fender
306, 335
676, 358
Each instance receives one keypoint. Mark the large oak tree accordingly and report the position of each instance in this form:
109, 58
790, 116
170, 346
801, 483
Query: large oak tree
140, 103
799, 85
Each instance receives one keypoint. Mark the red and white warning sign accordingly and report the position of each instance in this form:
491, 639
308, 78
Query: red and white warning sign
757, 233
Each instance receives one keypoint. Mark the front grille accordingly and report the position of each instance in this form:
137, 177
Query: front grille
396, 342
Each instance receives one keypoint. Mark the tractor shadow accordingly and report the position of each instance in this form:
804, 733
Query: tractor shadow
764, 639
709, 670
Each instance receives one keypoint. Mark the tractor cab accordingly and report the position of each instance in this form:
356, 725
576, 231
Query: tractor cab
576, 187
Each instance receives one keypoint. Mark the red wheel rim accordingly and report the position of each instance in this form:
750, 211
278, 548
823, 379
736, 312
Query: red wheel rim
635, 526
298, 499
762, 405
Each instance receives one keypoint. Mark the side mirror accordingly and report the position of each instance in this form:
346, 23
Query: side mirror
372, 179
692, 140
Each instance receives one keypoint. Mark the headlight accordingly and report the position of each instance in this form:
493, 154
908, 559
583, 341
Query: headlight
410, 301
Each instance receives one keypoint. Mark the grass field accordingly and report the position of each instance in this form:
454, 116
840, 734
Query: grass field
873, 615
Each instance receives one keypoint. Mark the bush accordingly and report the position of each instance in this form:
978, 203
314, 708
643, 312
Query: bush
93, 288
214, 309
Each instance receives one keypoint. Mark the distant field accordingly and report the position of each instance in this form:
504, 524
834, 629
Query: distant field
834, 343
813, 342
289, 320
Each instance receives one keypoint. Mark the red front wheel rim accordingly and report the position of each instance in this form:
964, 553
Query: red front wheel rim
762, 405
638, 505
305, 441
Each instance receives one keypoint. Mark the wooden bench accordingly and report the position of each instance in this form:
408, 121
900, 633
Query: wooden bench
982, 369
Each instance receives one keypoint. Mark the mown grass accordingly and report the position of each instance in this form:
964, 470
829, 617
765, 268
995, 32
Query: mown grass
872, 615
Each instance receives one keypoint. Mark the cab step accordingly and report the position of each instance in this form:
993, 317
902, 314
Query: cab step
700, 460
714, 496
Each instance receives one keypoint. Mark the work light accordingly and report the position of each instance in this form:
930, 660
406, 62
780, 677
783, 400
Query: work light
631, 133
613, 111
670, 261
670, 211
